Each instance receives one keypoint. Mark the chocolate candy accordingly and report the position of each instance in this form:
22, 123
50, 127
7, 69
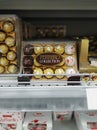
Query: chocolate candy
11, 55
2, 36
94, 78
69, 60
8, 26
48, 48
38, 71
4, 61
61, 32
28, 71
48, 73
3, 49
28, 49
58, 73
70, 71
10, 41
12, 69
2, 69
69, 49
38, 49
59, 49
28, 61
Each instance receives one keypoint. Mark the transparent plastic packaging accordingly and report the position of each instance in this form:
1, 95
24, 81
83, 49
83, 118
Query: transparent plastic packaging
43, 31
86, 120
38, 120
62, 115
10, 36
11, 120
49, 59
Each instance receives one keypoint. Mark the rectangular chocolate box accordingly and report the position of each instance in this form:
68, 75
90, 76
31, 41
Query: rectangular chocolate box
38, 121
11, 120
10, 27
49, 60
62, 115
88, 56
31, 31
86, 120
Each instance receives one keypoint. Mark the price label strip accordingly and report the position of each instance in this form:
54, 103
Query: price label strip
92, 98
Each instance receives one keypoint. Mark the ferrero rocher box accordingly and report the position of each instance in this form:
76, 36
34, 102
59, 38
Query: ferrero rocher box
49, 59
31, 31
88, 56
9, 44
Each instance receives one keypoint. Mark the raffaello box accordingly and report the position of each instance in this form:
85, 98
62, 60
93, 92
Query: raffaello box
11, 120
62, 115
38, 121
86, 120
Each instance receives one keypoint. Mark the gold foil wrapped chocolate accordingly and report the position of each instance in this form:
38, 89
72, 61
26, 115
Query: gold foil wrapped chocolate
2, 36
8, 26
2, 69
12, 69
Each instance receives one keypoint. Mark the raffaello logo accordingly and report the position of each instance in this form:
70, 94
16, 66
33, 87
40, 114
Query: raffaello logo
39, 114
7, 118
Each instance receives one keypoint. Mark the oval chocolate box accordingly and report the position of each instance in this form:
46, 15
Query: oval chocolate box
49, 59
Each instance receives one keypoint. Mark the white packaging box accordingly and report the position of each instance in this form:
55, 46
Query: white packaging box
86, 120
11, 120
62, 115
38, 121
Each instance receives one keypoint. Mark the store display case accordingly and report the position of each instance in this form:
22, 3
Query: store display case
51, 21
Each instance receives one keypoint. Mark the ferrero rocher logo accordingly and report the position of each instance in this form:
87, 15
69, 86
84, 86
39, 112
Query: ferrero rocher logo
49, 59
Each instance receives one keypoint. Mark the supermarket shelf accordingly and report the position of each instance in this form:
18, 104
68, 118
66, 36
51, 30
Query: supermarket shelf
67, 125
43, 98
43, 95
45, 4
53, 9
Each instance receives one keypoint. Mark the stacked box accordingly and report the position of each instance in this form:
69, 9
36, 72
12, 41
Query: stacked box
86, 120
38, 121
11, 120
62, 115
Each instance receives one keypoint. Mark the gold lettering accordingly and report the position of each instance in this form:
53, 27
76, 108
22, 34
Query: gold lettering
49, 58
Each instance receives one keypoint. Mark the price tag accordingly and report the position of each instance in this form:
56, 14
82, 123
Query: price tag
92, 98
